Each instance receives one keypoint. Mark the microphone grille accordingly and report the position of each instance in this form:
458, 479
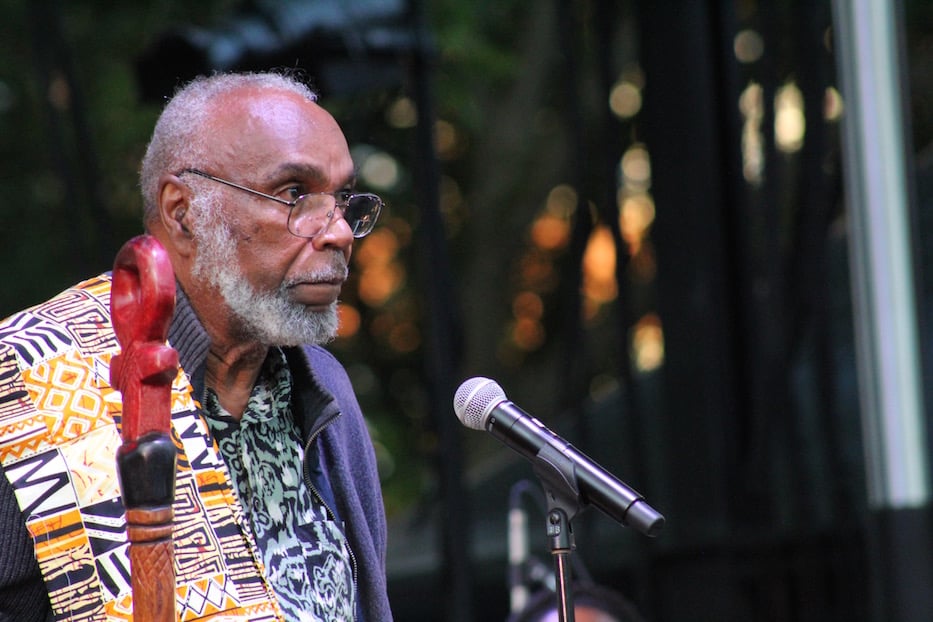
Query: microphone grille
475, 399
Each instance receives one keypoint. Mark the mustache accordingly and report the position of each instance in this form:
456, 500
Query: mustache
336, 270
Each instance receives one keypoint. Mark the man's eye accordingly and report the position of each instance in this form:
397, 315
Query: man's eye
293, 192
343, 196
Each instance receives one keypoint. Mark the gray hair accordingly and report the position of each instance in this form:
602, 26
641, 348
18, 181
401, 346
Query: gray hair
177, 141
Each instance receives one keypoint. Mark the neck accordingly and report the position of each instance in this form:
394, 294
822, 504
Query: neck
232, 372
233, 360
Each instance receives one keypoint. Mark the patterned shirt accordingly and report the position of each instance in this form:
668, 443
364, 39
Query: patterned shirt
304, 550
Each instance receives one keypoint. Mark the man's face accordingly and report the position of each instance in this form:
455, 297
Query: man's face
280, 289
270, 317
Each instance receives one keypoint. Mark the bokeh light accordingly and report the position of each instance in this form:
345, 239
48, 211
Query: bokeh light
350, 320
528, 305
636, 214
599, 267
380, 274
789, 121
379, 170
449, 142
648, 343
402, 114
748, 46
625, 99
561, 201
833, 106
636, 169
405, 337
527, 334
549, 232
751, 106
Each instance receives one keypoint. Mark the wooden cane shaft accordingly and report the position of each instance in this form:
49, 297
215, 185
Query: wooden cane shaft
153, 580
143, 526
151, 566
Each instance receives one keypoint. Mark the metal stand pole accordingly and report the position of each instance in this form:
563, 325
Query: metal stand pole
560, 538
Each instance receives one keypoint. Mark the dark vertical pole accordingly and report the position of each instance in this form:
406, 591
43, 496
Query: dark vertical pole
572, 373
442, 349
91, 239
681, 125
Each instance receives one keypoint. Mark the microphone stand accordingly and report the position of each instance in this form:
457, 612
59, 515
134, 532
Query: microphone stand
560, 539
557, 474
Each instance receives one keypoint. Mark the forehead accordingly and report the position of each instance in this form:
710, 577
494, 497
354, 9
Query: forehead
259, 130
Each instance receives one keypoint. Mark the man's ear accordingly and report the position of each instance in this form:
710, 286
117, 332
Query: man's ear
174, 203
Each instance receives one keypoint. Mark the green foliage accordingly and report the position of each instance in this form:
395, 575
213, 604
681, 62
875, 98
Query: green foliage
477, 44
72, 129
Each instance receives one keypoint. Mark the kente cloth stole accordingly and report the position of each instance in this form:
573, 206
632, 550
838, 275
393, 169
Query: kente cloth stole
59, 432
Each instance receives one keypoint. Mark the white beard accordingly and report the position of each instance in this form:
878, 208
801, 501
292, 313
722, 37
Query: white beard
269, 317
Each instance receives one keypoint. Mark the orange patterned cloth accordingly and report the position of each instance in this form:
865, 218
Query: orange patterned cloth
59, 431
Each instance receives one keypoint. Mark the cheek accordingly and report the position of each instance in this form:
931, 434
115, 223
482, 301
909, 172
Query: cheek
261, 225
266, 259
259, 238
252, 233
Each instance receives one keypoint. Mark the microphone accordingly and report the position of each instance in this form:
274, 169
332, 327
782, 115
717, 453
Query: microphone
480, 404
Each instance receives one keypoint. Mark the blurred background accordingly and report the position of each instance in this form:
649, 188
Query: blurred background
692, 237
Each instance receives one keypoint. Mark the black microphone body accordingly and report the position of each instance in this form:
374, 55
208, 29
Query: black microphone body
529, 437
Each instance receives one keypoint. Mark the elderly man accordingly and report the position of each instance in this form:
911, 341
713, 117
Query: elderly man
249, 186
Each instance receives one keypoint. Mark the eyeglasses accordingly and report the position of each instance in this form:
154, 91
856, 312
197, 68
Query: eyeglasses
310, 214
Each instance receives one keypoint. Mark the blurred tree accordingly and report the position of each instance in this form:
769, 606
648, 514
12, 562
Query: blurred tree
72, 131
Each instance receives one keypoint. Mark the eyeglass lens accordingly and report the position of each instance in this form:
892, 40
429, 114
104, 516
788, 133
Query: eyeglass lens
313, 213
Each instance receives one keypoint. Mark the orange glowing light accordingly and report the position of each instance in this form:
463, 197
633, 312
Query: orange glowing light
349, 320
380, 247
599, 266
550, 232
528, 334
635, 217
648, 343
404, 337
528, 305
378, 282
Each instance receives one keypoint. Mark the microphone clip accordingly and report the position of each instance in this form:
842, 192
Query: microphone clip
557, 473
558, 476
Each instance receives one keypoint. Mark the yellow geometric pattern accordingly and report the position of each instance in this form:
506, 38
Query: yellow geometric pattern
59, 433
92, 474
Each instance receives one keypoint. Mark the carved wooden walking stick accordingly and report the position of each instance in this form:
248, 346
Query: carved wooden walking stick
141, 304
